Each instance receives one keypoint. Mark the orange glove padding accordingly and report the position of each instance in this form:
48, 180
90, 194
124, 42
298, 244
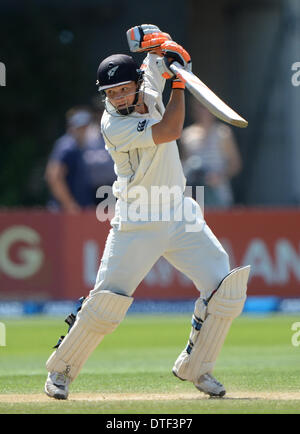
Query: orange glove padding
152, 42
174, 52
146, 37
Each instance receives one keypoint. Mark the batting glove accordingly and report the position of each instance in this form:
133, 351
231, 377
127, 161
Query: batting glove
146, 37
173, 52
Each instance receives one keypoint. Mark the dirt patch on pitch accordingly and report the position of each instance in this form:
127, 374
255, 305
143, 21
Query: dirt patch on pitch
276, 396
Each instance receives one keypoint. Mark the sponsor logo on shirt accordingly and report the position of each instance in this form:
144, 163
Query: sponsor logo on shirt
141, 126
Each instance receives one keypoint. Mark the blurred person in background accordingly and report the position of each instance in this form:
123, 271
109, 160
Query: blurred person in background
79, 163
210, 157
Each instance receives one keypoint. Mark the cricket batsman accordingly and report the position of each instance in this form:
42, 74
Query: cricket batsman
140, 135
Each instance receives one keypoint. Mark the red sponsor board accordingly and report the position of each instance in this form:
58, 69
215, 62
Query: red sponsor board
56, 256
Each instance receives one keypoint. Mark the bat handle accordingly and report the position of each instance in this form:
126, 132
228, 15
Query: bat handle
175, 67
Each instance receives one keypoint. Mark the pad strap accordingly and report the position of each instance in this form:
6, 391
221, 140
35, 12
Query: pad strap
210, 330
100, 314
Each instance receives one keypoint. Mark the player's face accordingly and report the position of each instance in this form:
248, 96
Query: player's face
122, 96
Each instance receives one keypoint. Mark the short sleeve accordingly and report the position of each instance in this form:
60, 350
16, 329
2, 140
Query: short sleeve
61, 154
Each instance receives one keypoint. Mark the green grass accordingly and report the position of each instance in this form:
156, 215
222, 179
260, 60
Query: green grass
257, 357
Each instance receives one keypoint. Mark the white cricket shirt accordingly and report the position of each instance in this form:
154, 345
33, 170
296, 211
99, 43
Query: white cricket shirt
139, 162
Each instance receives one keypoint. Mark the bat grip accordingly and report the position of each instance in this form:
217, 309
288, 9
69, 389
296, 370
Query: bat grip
175, 67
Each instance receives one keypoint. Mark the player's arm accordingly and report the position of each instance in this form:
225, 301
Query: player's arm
148, 38
56, 178
171, 125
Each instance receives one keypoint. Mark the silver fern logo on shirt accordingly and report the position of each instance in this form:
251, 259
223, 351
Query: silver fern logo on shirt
141, 126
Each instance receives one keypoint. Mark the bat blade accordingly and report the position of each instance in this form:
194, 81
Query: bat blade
207, 97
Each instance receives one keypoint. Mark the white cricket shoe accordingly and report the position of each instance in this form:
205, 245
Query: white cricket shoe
209, 385
57, 385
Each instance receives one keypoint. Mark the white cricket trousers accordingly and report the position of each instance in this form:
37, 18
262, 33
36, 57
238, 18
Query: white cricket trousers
132, 250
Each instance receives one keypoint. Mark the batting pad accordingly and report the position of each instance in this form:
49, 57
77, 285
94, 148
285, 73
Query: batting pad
211, 326
100, 314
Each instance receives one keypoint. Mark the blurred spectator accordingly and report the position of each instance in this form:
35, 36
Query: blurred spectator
79, 163
210, 157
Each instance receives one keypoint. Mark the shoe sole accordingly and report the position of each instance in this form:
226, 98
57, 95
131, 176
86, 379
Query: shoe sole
211, 394
56, 395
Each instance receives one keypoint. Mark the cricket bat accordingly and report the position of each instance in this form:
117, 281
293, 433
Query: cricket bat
207, 97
